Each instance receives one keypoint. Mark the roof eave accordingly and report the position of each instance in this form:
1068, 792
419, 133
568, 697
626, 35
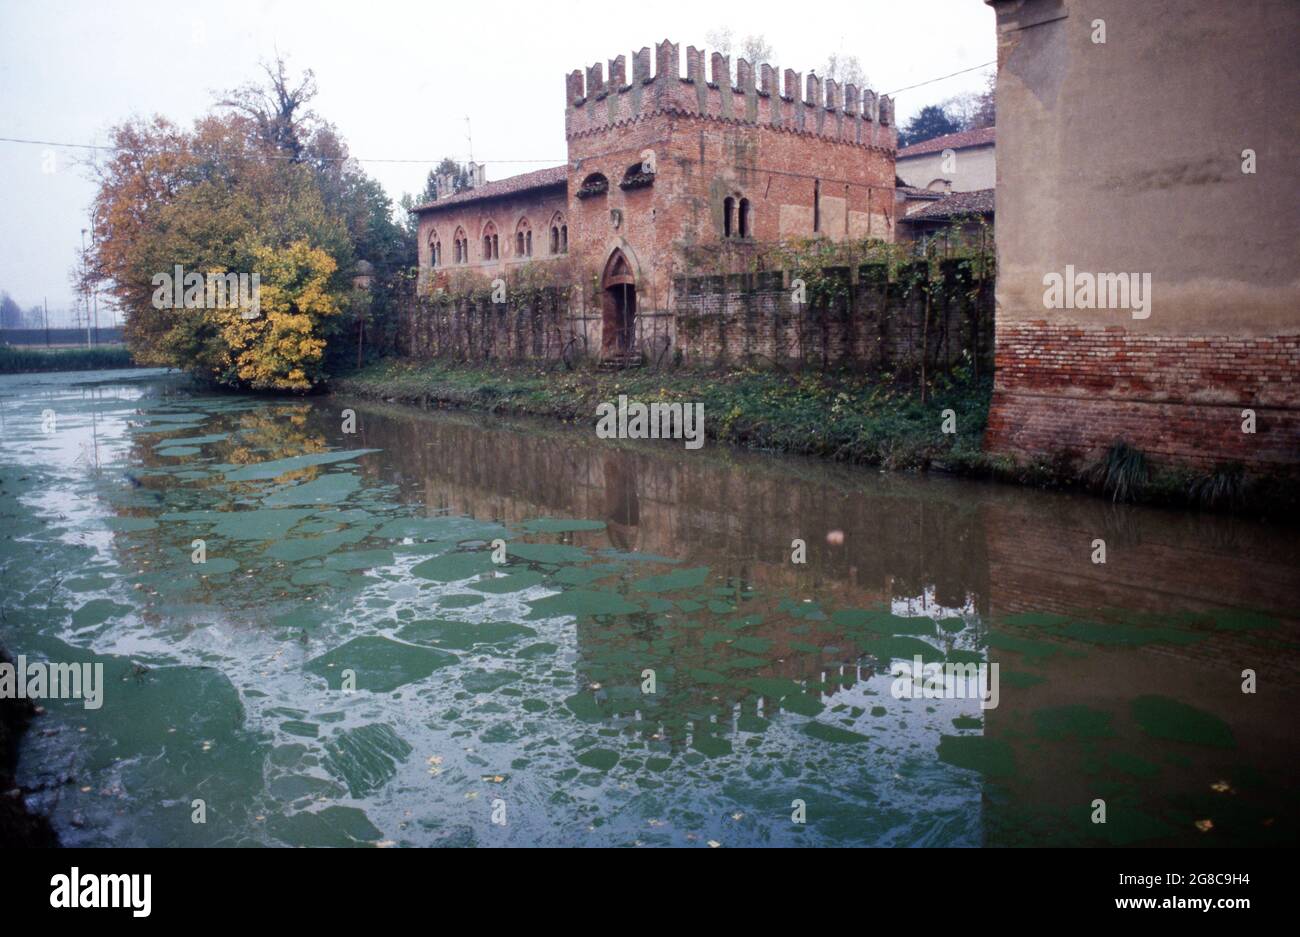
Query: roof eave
430, 206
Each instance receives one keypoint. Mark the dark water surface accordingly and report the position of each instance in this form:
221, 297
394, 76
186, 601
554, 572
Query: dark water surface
515, 692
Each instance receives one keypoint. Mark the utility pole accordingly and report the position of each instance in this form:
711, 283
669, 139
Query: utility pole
94, 285
85, 298
46, 301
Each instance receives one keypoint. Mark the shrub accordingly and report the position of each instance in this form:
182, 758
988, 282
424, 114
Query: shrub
1123, 472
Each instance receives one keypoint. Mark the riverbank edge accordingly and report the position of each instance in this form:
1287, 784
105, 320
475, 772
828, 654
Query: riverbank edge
20, 827
40, 360
839, 416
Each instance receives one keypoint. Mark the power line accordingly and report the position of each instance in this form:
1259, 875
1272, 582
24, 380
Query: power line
375, 159
755, 168
931, 81
265, 156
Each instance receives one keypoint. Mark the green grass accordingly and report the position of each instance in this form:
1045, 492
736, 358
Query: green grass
842, 416
1225, 486
1123, 472
22, 360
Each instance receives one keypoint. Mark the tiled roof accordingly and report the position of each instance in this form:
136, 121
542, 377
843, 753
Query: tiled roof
956, 141
911, 191
979, 202
525, 182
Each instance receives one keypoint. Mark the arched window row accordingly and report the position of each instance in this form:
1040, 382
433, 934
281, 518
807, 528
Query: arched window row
491, 242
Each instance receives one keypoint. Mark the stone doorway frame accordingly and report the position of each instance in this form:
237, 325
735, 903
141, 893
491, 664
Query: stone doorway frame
618, 306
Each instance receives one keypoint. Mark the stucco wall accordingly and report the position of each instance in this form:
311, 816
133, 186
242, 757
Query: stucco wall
1126, 156
973, 168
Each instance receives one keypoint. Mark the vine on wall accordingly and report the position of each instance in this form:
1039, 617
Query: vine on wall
901, 308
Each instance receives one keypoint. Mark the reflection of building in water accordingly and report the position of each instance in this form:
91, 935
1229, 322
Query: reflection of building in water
1090, 635
622, 515
738, 516
927, 604
929, 550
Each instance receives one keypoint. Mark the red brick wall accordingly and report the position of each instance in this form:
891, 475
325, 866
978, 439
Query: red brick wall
593, 234
736, 135
536, 207
697, 168
781, 142
1064, 386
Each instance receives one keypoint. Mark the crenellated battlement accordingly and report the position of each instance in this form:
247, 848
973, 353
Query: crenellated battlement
596, 99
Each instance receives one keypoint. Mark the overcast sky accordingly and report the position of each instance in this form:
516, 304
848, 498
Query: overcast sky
397, 79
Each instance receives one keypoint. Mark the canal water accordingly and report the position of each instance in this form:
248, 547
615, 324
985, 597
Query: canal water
648, 665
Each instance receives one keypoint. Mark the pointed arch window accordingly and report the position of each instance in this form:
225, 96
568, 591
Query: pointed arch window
559, 234
523, 238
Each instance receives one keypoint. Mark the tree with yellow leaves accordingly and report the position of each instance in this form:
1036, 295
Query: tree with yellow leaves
260, 186
283, 346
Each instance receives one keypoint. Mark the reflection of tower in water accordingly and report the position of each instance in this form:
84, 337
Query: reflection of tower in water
622, 506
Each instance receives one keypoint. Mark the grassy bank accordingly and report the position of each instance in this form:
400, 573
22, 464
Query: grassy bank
840, 416
14, 360
847, 417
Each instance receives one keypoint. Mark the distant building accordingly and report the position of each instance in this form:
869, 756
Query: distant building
908, 198
967, 215
956, 162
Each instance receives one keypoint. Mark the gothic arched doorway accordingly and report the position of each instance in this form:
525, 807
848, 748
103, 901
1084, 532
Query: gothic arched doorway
618, 307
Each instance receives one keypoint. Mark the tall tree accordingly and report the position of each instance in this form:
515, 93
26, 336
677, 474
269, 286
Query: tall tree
280, 108
260, 186
930, 122
11, 314
460, 181
974, 110
846, 70
753, 48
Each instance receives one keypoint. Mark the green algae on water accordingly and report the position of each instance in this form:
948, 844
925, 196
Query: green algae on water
1165, 718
